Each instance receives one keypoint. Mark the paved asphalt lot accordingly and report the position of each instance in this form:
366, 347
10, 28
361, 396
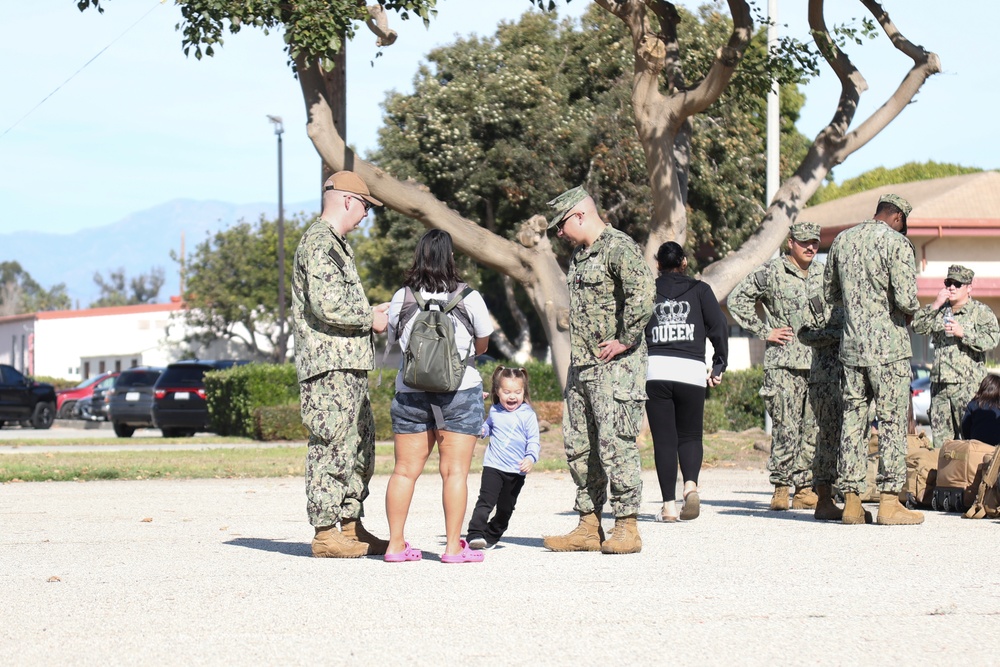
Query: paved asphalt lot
218, 572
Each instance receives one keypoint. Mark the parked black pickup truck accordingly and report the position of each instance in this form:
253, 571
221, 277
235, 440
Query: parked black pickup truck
24, 400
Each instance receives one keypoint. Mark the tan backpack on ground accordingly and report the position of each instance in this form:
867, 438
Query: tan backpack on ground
987, 500
957, 481
921, 472
916, 445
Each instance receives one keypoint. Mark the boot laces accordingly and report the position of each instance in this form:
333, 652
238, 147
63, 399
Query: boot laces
618, 532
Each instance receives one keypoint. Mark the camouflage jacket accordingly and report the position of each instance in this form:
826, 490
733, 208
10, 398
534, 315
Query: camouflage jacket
332, 316
610, 298
822, 333
871, 271
784, 292
959, 360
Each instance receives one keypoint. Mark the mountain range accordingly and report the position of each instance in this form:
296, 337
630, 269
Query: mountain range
138, 243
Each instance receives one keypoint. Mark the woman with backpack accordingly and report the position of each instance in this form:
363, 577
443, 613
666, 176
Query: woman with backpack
451, 418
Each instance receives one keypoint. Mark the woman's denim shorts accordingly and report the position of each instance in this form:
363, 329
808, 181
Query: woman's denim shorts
456, 411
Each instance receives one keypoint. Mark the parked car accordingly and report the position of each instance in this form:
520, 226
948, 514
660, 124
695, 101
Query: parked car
920, 394
179, 408
919, 370
95, 408
23, 399
130, 402
67, 399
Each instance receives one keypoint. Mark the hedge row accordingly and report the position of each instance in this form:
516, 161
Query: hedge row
262, 400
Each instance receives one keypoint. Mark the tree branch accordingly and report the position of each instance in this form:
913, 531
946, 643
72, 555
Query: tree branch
378, 23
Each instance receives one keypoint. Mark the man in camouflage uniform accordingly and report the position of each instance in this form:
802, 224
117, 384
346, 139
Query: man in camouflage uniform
334, 350
610, 303
962, 330
871, 271
784, 286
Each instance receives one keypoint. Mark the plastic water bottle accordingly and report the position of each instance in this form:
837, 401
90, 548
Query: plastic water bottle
948, 319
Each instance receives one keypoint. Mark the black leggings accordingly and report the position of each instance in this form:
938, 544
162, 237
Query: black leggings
676, 413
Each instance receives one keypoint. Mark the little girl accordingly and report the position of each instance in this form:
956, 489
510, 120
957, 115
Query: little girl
513, 450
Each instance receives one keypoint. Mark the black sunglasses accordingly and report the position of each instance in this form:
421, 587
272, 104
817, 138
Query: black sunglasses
562, 223
952, 283
364, 202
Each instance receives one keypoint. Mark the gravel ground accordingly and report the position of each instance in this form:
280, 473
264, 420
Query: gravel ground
219, 572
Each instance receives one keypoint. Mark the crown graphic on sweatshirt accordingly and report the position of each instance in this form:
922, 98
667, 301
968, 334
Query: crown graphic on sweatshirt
672, 312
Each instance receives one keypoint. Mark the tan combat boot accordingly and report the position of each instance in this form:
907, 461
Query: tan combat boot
329, 543
891, 513
624, 538
587, 536
353, 530
804, 498
853, 512
826, 509
779, 501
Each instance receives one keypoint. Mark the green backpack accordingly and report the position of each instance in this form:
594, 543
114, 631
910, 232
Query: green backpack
431, 360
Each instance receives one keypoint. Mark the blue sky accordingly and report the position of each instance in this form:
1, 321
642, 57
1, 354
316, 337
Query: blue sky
142, 124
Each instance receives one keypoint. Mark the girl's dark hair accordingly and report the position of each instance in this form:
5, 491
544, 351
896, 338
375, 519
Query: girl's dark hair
988, 395
669, 257
502, 373
433, 267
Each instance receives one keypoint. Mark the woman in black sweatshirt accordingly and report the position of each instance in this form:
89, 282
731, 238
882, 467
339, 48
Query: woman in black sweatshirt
685, 314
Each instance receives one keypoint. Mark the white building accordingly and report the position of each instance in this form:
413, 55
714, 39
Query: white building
77, 344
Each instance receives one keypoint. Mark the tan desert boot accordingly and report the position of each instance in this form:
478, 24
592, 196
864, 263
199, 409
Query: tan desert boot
891, 513
329, 543
853, 512
587, 536
779, 501
804, 498
826, 509
624, 537
353, 530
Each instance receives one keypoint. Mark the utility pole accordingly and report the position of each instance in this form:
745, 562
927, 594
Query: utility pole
279, 128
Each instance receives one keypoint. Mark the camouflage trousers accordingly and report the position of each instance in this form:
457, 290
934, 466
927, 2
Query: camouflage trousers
887, 388
600, 426
948, 402
793, 434
341, 457
827, 405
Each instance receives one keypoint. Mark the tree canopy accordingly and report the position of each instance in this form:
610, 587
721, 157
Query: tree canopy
117, 290
231, 283
20, 293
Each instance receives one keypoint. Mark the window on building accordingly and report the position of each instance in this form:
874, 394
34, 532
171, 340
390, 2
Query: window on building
135, 362
101, 367
86, 370
118, 365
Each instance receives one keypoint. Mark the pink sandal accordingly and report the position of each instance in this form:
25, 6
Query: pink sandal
466, 555
408, 553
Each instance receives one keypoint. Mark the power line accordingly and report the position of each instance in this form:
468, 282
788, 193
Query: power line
96, 56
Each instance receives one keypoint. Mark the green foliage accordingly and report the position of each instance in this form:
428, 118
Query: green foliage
279, 422
739, 399
232, 280
234, 394
543, 382
907, 173
57, 383
381, 397
314, 30
117, 291
715, 417
19, 293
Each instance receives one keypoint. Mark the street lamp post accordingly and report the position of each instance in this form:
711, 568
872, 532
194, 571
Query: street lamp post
278, 129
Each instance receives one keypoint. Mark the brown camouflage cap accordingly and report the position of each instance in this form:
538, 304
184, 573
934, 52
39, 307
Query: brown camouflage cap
898, 202
805, 231
564, 202
959, 273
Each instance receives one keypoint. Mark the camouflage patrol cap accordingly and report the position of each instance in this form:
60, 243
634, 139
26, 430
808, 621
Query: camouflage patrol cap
805, 231
564, 202
898, 202
959, 273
